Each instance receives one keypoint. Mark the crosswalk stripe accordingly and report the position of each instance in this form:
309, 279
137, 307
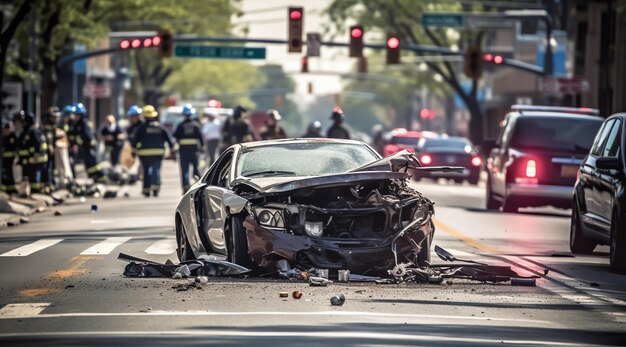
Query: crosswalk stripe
165, 246
23, 310
105, 247
31, 248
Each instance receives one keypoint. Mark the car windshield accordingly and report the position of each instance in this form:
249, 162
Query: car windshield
566, 134
404, 140
447, 143
302, 159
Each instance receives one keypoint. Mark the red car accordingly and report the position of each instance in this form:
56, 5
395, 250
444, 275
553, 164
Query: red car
404, 139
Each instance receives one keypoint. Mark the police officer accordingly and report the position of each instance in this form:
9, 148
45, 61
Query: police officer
9, 145
273, 130
86, 142
149, 142
314, 130
49, 129
32, 150
337, 130
190, 142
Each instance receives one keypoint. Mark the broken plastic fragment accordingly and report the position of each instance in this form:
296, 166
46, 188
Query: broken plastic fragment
319, 281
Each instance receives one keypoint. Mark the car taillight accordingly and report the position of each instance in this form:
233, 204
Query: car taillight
476, 161
426, 159
531, 169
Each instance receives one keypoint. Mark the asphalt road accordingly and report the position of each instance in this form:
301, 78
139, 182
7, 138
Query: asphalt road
61, 284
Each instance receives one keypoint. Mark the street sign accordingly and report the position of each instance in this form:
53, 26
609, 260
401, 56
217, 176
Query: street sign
440, 19
489, 21
313, 43
219, 52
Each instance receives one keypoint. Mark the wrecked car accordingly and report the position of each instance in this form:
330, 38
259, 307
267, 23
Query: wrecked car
317, 203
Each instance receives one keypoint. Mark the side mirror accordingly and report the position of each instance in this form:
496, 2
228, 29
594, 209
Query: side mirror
609, 163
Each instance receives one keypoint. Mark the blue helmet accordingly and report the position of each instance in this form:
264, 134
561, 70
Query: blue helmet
188, 110
134, 110
68, 109
80, 109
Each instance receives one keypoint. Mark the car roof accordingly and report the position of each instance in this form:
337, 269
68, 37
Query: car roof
299, 140
556, 115
559, 109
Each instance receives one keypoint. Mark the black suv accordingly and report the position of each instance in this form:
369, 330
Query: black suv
599, 212
537, 155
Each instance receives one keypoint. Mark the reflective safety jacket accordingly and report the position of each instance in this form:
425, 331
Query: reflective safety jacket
50, 132
189, 136
32, 147
9, 145
150, 139
83, 134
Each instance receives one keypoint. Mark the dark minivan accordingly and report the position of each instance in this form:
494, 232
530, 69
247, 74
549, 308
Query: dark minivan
599, 212
537, 155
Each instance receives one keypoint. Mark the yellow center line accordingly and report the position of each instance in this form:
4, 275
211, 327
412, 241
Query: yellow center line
464, 237
54, 278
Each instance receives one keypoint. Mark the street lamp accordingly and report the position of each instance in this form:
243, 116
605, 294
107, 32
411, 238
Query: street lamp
545, 17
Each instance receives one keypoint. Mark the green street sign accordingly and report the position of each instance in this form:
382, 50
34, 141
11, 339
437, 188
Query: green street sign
452, 20
219, 52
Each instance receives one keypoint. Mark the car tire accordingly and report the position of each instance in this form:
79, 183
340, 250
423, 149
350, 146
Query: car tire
183, 249
237, 242
458, 180
618, 244
473, 179
578, 243
509, 205
490, 201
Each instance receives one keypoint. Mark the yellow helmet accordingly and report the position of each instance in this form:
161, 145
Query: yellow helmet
149, 111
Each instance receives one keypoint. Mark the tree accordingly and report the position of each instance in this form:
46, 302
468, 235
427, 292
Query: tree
403, 18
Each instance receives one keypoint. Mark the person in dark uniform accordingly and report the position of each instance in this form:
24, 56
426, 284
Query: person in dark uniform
337, 130
49, 129
273, 130
32, 150
149, 143
236, 129
86, 142
135, 120
314, 130
9, 145
113, 139
190, 142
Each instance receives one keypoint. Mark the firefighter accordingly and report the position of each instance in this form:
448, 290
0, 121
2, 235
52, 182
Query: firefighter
190, 142
337, 130
32, 150
68, 127
273, 130
149, 143
9, 145
87, 144
49, 130
135, 120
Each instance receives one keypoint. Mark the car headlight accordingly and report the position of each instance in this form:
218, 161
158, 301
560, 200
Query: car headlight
314, 229
270, 217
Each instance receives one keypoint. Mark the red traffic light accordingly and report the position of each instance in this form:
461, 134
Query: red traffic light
147, 42
498, 59
356, 32
488, 58
393, 42
124, 44
135, 43
156, 40
295, 14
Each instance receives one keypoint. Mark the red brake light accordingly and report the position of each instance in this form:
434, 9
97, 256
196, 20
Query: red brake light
476, 161
531, 169
426, 159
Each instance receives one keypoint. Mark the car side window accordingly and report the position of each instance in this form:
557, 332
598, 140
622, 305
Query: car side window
598, 143
219, 173
504, 125
612, 146
506, 134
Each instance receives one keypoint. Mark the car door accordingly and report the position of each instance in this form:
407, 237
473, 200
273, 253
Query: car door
607, 181
588, 176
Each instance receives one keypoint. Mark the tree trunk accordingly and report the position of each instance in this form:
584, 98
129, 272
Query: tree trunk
476, 121
48, 84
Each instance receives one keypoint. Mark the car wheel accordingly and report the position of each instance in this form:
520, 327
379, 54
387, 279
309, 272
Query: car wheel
458, 180
473, 180
238, 242
578, 243
618, 244
183, 251
491, 202
509, 205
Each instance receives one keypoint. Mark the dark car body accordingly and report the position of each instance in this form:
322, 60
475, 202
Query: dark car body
599, 207
449, 151
358, 215
401, 139
537, 156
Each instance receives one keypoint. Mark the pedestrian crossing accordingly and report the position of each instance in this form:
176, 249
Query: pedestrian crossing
164, 246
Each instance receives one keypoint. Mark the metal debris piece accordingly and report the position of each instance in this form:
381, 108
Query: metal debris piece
526, 282
202, 280
94, 208
319, 281
58, 213
343, 276
283, 294
204, 266
338, 300
183, 270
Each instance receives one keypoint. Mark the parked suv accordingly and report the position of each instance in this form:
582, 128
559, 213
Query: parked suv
599, 207
537, 155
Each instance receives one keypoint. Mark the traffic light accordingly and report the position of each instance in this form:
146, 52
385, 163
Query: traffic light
296, 17
140, 42
166, 45
304, 64
393, 49
356, 41
473, 62
496, 59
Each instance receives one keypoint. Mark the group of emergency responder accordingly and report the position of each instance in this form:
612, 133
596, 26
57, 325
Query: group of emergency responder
49, 153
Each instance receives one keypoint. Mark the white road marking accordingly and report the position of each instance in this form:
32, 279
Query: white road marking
165, 246
331, 335
22, 310
31, 248
105, 247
